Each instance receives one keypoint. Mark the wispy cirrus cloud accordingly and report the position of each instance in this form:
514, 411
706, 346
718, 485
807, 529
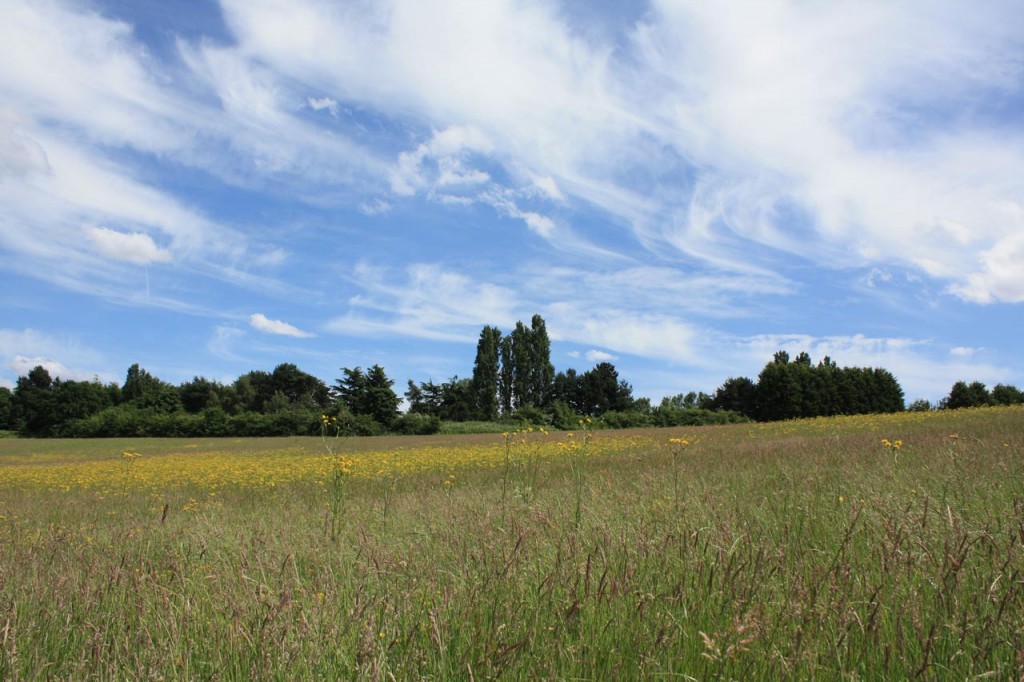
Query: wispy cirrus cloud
833, 134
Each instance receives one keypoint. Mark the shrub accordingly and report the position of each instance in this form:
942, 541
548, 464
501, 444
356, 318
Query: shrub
413, 424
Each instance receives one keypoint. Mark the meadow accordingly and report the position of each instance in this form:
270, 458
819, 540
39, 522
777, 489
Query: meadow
876, 547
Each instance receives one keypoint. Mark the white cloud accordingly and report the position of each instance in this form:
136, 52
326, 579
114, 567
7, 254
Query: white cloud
322, 103
134, 247
22, 350
440, 162
549, 187
599, 356
426, 301
20, 154
260, 322
962, 351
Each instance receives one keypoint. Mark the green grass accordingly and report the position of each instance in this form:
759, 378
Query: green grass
793, 550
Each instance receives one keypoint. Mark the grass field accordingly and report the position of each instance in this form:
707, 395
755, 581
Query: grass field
790, 550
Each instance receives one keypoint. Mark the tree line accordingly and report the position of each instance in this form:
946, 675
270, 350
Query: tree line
513, 380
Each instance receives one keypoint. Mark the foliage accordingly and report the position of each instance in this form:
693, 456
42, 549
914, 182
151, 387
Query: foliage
368, 394
797, 389
144, 391
487, 373
473, 427
976, 394
1003, 394
413, 424
596, 391
669, 415
624, 420
6, 409
526, 371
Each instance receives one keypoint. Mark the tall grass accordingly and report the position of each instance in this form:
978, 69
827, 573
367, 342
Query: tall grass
795, 550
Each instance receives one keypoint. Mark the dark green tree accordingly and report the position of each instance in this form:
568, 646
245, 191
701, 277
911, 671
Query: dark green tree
301, 389
458, 400
200, 394
736, 395
506, 376
34, 403
368, 393
521, 355
778, 395
567, 388
1003, 394
424, 398
6, 410
81, 399
541, 372
486, 373
144, 391
602, 391
964, 395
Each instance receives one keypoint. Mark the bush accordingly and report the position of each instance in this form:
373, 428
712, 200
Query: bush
529, 415
358, 425
452, 428
413, 424
563, 417
624, 420
674, 416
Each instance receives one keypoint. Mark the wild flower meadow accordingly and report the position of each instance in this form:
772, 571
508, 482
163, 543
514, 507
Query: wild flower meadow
877, 547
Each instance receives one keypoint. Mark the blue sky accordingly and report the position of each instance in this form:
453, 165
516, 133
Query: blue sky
678, 187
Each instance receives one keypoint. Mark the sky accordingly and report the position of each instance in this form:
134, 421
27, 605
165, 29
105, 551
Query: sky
680, 188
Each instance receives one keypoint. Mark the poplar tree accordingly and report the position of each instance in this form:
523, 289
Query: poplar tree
486, 371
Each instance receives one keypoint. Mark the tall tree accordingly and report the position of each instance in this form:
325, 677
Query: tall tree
778, 394
34, 403
486, 373
541, 372
6, 409
603, 391
301, 389
506, 377
199, 394
381, 400
963, 395
1003, 394
735, 395
141, 389
368, 393
521, 355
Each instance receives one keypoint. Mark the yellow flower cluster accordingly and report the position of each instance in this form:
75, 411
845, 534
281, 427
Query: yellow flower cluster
343, 465
215, 469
